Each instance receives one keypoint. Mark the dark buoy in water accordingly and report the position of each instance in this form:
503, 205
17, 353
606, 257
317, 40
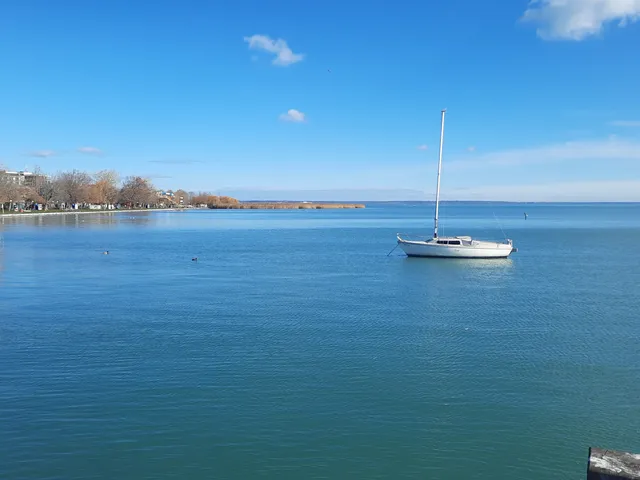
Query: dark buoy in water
194, 259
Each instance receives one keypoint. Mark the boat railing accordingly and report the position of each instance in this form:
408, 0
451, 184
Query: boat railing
412, 237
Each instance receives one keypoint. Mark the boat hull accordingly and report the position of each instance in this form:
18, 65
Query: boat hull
427, 249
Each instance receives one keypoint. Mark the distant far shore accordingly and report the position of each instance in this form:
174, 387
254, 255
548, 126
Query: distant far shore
285, 206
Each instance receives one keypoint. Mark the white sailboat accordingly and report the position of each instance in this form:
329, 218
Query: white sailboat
451, 247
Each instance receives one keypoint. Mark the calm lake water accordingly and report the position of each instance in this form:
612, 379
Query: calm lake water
295, 348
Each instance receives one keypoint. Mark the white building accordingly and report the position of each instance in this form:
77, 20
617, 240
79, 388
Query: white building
21, 178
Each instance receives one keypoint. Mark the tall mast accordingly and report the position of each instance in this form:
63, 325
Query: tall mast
435, 222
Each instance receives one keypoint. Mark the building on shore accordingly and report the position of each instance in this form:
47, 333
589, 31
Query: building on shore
22, 178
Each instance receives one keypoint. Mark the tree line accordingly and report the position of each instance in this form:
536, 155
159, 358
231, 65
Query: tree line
78, 189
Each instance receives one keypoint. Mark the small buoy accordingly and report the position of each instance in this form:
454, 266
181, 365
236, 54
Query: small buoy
194, 259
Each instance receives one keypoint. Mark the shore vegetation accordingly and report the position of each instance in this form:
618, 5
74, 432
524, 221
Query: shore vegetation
76, 190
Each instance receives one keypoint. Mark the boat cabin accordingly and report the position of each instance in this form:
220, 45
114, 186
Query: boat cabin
449, 242
454, 241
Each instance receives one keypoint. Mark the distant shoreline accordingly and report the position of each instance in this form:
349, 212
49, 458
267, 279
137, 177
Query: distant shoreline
40, 213
239, 206
287, 206
292, 205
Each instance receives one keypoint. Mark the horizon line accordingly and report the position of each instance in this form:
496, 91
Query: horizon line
446, 201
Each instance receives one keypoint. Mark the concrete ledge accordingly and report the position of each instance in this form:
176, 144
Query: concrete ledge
613, 465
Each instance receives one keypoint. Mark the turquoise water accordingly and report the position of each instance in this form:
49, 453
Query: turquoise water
295, 348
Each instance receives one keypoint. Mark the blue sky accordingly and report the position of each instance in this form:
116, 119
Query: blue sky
256, 96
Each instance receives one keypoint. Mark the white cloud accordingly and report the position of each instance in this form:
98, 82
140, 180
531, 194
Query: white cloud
422, 147
293, 115
625, 123
579, 19
43, 153
90, 150
611, 149
471, 149
284, 55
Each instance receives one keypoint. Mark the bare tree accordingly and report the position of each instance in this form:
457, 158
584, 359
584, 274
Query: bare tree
9, 190
77, 187
72, 187
109, 176
137, 191
30, 195
200, 198
104, 190
43, 187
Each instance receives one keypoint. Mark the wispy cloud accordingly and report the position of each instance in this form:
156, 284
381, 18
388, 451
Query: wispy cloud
625, 123
585, 191
471, 149
293, 115
90, 150
338, 194
579, 19
176, 161
579, 191
422, 147
611, 149
43, 153
284, 55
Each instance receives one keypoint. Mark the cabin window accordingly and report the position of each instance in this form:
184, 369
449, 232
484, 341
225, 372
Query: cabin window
454, 242
442, 242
